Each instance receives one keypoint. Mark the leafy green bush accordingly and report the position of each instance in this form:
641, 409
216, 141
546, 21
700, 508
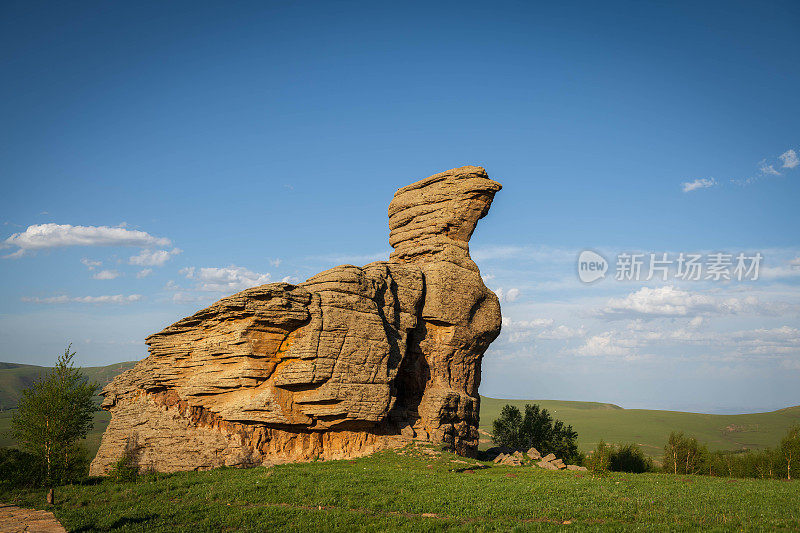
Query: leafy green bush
618, 458
629, 458
535, 429
599, 461
19, 469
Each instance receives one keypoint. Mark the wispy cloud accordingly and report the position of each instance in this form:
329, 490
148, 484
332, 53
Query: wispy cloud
517, 331
44, 236
225, 279
767, 170
789, 159
669, 301
605, 344
106, 299
153, 257
91, 264
700, 183
737, 345
362, 259
533, 253
106, 274
144, 273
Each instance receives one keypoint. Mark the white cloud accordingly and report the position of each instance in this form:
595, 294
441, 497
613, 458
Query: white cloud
43, 236
291, 279
700, 183
745, 181
106, 274
603, 345
788, 270
184, 297
562, 332
768, 170
275, 262
226, 279
669, 301
107, 299
144, 273
507, 296
153, 257
516, 331
533, 323
663, 301
741, 345
789, 159
90, 264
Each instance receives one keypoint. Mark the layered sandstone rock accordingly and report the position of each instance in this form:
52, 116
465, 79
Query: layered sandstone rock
353, 360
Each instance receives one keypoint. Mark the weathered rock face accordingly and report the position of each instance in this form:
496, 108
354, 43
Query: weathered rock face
353, 360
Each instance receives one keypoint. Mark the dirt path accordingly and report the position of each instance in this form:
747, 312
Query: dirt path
15, 519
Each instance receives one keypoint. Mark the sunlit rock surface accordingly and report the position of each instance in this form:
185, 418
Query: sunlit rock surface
353, 360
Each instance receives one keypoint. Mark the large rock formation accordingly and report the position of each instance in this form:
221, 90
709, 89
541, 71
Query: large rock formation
353, 360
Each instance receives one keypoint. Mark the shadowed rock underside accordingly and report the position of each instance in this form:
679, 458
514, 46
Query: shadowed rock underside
351, 361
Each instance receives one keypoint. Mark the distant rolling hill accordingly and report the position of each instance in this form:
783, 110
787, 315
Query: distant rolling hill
14, 378
650, 428
593, 421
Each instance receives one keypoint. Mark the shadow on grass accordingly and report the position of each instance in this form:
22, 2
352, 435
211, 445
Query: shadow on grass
119, 523
470, 468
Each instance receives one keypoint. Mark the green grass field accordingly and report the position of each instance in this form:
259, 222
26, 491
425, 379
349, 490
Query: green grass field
650, 429
593, 421
411, 491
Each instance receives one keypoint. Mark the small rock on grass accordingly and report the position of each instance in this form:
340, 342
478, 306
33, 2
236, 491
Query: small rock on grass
546, 465
534, 454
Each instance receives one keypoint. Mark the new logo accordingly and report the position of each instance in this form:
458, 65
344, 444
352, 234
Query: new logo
591, 266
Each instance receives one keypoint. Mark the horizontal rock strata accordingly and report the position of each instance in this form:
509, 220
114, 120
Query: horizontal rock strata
353, 360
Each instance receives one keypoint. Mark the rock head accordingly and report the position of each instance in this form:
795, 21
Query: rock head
351, 361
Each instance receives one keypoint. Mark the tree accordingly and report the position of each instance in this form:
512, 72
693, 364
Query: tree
790, 451
599, 461
684, 455
53, 414
535, 429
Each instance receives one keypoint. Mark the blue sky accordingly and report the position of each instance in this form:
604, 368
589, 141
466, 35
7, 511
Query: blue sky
156, 157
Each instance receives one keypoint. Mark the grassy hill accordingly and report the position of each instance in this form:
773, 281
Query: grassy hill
411, 490
650, 428
14, 378
592, 421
